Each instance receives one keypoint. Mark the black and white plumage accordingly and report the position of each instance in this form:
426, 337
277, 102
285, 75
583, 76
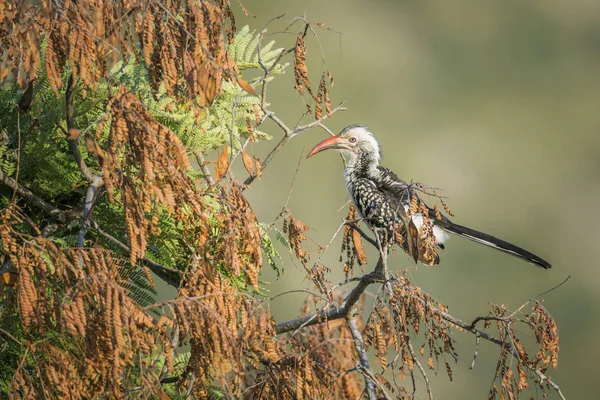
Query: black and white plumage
383, 200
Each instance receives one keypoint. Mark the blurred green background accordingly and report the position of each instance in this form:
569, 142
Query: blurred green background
497, 102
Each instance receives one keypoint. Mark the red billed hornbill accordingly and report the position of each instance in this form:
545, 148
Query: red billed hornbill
384, 201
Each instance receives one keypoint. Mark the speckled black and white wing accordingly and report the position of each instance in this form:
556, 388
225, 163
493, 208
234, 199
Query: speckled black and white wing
383, 200
401, 193
375, 207
395, 189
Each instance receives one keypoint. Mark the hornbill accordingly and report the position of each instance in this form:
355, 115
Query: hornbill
384, 201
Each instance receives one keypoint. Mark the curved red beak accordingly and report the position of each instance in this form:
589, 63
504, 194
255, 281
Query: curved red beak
329, 143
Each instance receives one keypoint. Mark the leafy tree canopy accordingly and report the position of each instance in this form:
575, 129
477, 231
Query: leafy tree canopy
107, 112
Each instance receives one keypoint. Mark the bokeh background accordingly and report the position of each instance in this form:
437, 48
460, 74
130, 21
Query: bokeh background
497, 102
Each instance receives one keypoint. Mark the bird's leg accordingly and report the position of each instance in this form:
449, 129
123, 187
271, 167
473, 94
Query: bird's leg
383, 247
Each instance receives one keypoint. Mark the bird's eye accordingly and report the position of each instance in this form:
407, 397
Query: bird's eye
352, 139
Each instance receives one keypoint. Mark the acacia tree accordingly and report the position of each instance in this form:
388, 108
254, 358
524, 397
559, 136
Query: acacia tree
108, 110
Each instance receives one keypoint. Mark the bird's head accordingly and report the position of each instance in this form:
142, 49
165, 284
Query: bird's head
354, 140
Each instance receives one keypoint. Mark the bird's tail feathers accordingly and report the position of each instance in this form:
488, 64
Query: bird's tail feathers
497, 244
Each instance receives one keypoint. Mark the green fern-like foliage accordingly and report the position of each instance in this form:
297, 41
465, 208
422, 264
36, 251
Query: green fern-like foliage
34, 144
10, 351
272, 256
140, 290
225, 121
8, 163
244, 50
46, 164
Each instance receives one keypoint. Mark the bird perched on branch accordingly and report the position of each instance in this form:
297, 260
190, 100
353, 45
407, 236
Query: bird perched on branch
392, 208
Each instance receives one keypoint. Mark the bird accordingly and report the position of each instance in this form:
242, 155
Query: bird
392, 208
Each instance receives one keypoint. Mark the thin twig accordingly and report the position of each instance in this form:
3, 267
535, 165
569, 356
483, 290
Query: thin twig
267, 160
553, 288
543, 378
423, 373
477, 341
326, 129
171, 276
368, 373
289, 134
285, 210
339, 374
271, 298
344, 282
319, 121
359, 345
8, 334
488, 318
202, 164
289, 195
354, 226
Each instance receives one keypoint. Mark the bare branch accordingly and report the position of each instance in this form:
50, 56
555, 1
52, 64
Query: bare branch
359, 344
476, 352
202, 164
91, 198
554, 288
96, 181
340, 312
544, 378
33, 198
362, 233
319, 121
74, 140
368, 373
288, 132
421, 369
488, 318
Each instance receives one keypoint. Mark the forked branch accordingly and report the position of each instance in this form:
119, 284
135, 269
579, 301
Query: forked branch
171, 276
381, 274
34, 199
338, 312
288, 133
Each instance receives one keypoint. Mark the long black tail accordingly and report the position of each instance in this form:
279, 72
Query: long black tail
496, 243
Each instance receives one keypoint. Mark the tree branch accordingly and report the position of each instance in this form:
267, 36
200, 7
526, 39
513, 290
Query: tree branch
319, 121
543, 378
363, 357
421, 369
380, 273
96, 182
368, 373
74, 139
33, 198
289, 133
170, 275
354, 226
340, 312
207, 175
91, 197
